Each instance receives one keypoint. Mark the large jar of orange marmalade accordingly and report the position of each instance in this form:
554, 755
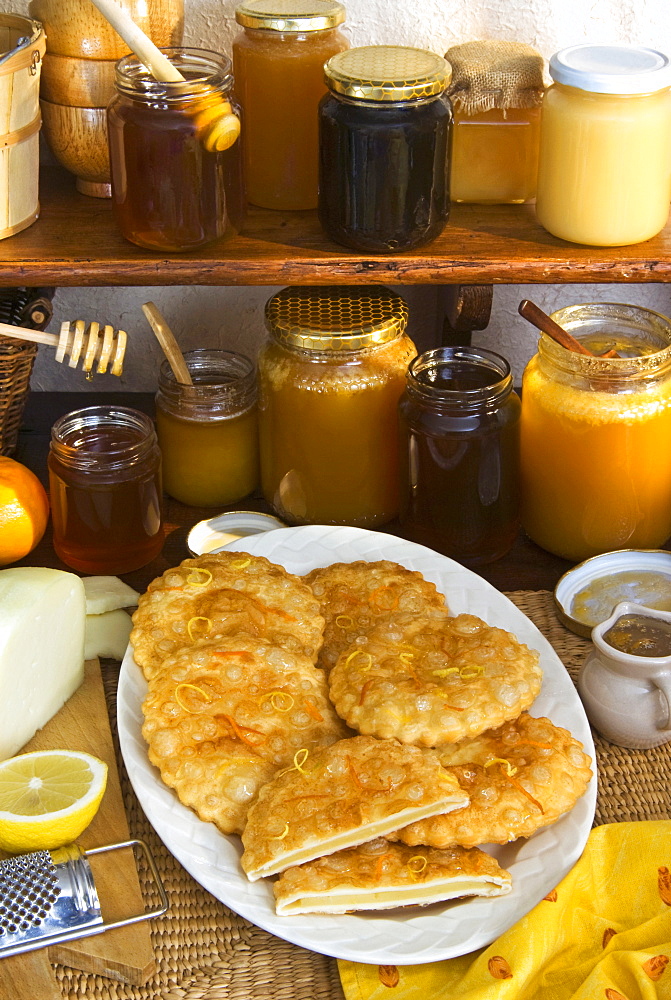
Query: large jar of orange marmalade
330, 378
596, 434
279, 79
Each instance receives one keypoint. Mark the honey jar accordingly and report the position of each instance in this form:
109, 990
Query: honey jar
595, 434
384, 140
496, 92
175, 153
278, 61
459, 421
603, 175
330, 377
105, 487
207, 431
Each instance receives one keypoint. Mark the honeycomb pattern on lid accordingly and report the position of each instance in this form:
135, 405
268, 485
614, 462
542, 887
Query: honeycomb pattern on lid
387, 73
336, 319
290, 15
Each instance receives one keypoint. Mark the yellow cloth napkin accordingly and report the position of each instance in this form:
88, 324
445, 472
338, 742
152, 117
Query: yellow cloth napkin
603, 934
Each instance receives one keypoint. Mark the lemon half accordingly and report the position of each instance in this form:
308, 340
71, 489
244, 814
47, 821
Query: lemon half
47, 798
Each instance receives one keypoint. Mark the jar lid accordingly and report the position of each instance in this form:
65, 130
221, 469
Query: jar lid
489, 74
387, 73
218, 532
612, 69
290, 15
336, 319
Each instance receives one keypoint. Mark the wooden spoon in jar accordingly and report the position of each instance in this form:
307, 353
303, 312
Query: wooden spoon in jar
168, 342
535, 315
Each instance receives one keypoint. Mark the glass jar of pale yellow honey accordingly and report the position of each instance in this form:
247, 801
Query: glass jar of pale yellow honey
604, 172
596, 434
330, 378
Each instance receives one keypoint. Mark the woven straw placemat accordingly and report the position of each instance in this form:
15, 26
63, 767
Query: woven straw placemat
204, 951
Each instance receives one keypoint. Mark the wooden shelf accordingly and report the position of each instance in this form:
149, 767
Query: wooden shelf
75, 242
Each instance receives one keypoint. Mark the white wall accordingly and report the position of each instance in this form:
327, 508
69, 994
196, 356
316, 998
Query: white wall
233, 317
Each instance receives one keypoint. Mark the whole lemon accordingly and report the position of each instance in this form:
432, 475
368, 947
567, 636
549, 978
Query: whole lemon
24, 510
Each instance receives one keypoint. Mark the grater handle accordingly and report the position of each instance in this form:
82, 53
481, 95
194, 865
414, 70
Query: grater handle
136, 918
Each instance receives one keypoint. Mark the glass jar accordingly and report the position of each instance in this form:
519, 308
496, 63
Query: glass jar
105, 485
459, 420
496, 91
603, 175
207, 431
278, 62
175, 156
596, 434
330, 378
384, 141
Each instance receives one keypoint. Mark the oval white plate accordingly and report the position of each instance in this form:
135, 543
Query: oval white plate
398, 937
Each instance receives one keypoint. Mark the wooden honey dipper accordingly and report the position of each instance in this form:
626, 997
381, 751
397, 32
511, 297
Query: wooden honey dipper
79, 343
213, 115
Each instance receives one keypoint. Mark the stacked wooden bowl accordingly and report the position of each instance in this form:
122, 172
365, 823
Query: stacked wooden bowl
78, 78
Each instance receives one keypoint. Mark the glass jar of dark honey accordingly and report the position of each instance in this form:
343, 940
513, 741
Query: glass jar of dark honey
384, 148
105, 485
330, 378
459, 421
175, 152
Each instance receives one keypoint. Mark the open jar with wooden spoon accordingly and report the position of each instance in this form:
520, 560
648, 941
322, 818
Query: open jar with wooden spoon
595, 433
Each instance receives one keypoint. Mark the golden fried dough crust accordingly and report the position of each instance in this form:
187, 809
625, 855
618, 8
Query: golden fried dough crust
353, 791
379, 875
520, 777
360, 596
224, 593
225, 714
436, 686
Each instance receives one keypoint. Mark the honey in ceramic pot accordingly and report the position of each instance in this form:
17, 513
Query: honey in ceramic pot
330, 377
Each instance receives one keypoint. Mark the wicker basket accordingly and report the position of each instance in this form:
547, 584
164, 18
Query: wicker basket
20, 307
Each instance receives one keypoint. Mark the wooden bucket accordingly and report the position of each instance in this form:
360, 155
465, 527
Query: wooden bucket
22, 46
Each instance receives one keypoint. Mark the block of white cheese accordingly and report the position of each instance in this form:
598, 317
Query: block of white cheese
108, 634
42, 615
107, 593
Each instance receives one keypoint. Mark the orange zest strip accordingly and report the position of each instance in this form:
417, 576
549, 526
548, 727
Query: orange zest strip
347, 597
193, 580
197, 618
541, 746
299, 798
379, 860
355, 776
241, 654
241, 736
510, 769
453, 708
313, 711
517, 785
364, 690
344, 618
192, 687
373, 598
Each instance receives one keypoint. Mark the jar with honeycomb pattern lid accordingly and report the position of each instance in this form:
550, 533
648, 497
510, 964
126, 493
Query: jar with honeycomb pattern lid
330, 378
384, 148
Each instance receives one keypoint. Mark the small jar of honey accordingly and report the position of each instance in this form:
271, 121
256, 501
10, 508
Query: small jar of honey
330, 378
208, 431
460, 454
175, 153
105, 484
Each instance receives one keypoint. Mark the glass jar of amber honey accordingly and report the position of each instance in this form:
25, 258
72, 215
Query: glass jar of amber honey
596, 434
330, 378
207, 431
460, 454
105, 484
175, 152
384, 148
278, 61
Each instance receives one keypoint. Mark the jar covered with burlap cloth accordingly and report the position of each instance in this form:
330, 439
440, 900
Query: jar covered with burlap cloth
496, 92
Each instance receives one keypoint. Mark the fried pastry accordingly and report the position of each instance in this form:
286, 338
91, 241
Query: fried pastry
360, 596
520, 777
225, 714
436, 686
379, 876
224, 593
341, 796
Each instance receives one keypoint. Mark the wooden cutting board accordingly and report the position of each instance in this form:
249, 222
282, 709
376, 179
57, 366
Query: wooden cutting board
125, 954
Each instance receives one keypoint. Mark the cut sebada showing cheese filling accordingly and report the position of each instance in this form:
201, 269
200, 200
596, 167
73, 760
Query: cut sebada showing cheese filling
381, 876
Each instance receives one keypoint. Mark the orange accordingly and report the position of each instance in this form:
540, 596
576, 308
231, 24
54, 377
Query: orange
24, 510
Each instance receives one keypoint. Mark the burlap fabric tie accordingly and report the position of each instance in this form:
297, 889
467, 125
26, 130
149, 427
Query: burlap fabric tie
488, 75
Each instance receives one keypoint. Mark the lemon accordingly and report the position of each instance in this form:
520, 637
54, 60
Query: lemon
47, 798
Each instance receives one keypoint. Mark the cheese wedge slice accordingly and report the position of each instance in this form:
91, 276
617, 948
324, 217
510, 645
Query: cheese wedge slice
42, 614
341, 796
381, 876
107, 635
107, 593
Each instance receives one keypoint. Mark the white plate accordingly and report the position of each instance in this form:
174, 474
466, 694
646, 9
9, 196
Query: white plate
395, 938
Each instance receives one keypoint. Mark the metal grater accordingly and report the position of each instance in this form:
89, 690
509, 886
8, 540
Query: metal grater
47, 897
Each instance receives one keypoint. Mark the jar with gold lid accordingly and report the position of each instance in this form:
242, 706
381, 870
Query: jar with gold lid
384, 140
278, 62
330, 378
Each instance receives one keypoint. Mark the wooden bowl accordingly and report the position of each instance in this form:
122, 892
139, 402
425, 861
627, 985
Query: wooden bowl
78, 139
77, 28
81, 83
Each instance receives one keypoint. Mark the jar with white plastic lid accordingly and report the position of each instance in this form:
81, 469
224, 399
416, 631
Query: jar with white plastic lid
604, 174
